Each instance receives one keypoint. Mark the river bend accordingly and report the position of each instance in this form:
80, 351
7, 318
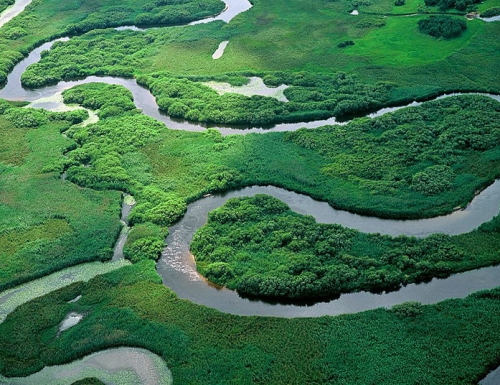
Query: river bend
178, 271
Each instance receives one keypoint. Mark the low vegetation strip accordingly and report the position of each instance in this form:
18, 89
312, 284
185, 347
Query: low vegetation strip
12, 298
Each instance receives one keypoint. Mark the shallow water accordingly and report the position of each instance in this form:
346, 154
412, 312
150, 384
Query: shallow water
255, 86
70, 320
493, 378
220, 50
121, 366
12, 11
489, 20
12, 298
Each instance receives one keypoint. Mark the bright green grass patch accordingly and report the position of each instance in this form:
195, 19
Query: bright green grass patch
13, 144
41, 219
12, 240
389, 45
295, 36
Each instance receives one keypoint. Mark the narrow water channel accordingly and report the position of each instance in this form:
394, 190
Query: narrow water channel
146, 102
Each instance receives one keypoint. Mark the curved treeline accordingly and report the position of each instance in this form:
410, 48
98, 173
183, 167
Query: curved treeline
491, 12
442, 26
45, 20
311, 96
159, 12
259, 247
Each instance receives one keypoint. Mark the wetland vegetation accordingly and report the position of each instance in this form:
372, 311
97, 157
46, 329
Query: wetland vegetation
261, 248
417, 162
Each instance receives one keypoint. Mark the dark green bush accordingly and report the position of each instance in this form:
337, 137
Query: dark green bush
442, 26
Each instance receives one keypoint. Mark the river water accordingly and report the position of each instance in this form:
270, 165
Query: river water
177, 266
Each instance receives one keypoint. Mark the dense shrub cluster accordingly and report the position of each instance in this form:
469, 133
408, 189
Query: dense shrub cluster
345, 44
259, 247
152, 13
158, 207
311, 96
144, 241
433, 180
102, 145
89, 381
34, 117
109, 99
460, 5
425, 149
442, 26
491, 12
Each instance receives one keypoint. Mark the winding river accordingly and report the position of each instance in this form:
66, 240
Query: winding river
177, 266
145, 101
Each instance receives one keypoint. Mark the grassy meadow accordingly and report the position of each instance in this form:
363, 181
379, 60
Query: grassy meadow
46, 223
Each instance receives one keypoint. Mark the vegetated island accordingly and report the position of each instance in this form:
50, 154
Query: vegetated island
259, 247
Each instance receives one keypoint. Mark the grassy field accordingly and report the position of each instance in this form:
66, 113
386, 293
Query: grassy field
42, 226
294, 36
453, 342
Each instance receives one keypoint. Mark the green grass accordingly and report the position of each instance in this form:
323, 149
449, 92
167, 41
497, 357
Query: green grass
453, 342
295, 36
42, 228
388, 46
47, 224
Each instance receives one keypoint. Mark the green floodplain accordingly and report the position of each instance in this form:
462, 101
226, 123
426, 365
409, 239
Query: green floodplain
62, 179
